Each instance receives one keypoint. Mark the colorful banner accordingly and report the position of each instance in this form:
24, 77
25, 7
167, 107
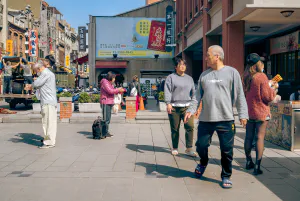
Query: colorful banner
68, 61
9, 47
129, 37
33, 43
287, 43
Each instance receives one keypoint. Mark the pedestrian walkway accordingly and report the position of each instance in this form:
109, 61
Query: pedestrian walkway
135, 165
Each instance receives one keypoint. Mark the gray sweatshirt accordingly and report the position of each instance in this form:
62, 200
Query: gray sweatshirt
219, 91
180, 90
46, 83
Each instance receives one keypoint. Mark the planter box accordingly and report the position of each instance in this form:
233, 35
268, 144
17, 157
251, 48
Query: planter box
89, 108
65, 99
162, 106
36, 107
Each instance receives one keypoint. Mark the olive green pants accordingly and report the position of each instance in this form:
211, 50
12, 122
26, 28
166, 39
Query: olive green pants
175, 120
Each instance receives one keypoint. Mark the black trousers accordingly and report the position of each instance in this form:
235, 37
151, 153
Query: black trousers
226, 132
106, 114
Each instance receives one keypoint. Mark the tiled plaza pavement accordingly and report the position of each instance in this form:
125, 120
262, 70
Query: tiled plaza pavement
134, 165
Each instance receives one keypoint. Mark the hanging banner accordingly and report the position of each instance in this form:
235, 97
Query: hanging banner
9, 47
33, 43
82, 38
169, 29
287, 43
68, 61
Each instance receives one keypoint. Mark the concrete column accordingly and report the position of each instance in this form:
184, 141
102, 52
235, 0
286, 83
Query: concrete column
92, 50
188, 56
233, 34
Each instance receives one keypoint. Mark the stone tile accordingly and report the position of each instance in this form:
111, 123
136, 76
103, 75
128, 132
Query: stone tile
105, 160
3, 164
80, 167
118, 189
57, 168
38, 166
11, 168
27, 159
124, 167
65, 160
146, 189
101, 169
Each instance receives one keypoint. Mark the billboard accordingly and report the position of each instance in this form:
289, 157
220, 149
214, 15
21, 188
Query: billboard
9, 47
33, 43
82, 38
131, 37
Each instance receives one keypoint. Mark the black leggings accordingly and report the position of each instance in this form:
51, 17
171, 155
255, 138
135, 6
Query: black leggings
258, 130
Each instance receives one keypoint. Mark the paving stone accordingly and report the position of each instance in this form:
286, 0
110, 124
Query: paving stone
38, 166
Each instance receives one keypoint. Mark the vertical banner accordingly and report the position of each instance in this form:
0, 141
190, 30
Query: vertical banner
157, 36
68, 61
82, 38
169, 29
33, 43
9, 47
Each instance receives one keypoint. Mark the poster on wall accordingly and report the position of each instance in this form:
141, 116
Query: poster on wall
287, 43
129, 37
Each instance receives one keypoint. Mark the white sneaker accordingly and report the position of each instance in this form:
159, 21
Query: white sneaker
191, 153
46, 146
174, 152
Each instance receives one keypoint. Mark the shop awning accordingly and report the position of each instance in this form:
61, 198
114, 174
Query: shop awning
82, 60
111, 64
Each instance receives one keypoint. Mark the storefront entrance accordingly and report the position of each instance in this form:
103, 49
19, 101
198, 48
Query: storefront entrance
119, 76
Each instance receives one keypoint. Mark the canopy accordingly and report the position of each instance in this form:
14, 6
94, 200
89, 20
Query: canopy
82, 60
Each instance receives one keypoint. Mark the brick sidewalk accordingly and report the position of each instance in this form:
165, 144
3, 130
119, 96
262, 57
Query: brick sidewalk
134, 165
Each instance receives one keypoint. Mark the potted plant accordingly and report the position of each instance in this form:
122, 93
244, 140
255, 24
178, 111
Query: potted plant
89, 104
64, 96
162, 104
36, 105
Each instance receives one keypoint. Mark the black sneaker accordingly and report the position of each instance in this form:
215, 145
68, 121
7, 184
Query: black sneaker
109, 135
249, 165
257, 171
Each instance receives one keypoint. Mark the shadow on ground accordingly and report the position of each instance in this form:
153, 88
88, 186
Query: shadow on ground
88, 135
27, 138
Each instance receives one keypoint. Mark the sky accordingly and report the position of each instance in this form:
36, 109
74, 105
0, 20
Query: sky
76, 12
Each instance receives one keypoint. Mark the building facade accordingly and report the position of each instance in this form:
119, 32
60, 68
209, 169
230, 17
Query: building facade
3, 26
127, 67
240, 27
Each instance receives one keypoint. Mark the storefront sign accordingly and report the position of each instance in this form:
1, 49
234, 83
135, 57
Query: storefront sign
287, 43
68, 61
9, 47
82, 39
33, 43
170, 29
131, 37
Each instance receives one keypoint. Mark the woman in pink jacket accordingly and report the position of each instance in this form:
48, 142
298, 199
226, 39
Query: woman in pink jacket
107, 100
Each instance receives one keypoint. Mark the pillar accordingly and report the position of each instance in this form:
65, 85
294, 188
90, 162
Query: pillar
130, 108
66, 109
188, 57
233, 34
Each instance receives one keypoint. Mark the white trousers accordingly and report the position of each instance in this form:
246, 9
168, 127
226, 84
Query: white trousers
49, 119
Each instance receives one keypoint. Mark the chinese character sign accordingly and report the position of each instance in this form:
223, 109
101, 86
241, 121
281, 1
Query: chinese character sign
67, 61
9, 47
157, 36
82, 38
169, 28
33, 43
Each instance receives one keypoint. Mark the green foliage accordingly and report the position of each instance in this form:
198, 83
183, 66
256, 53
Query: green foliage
84, 98
95, 98
64, 94
34, 99
161, 96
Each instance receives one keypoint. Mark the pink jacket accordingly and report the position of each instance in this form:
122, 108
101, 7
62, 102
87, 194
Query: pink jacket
107, 92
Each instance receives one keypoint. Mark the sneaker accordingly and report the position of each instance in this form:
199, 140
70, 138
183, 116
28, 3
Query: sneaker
109, 135
190, 152
46, 146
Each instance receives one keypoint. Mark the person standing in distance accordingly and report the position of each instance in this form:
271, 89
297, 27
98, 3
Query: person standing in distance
220, 88
179, 95
47, 88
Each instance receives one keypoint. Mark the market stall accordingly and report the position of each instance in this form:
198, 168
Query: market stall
284, 126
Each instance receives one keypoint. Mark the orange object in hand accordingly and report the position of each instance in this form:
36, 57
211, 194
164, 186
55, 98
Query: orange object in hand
277, 78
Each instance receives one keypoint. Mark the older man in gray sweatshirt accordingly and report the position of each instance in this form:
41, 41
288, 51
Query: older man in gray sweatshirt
179, 95
46, 84
219, 88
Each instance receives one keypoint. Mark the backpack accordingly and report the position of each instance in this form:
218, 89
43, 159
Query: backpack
133, 91
97, 128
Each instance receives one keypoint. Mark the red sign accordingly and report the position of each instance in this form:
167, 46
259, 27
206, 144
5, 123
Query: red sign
157, 37
33, 43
